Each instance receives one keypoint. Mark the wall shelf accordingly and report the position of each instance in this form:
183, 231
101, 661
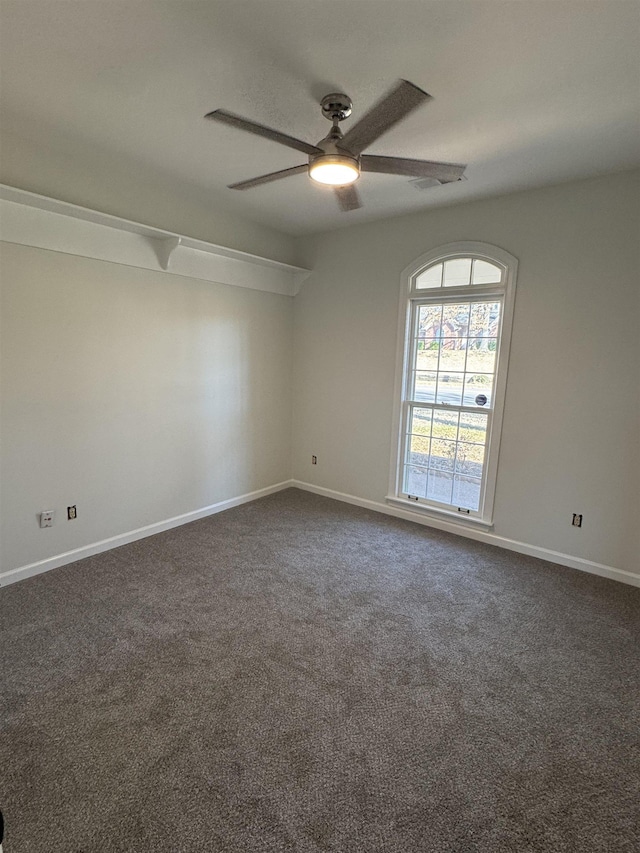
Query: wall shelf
46, 223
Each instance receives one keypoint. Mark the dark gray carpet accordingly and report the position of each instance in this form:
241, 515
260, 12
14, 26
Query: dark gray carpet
301, 675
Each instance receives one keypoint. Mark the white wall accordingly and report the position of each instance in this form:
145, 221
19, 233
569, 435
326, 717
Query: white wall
570, 438
137, 396
140, 396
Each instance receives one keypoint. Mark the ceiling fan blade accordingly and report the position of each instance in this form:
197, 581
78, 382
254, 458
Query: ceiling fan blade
260, 130
392, 108
348, 197
266, 179
443, 172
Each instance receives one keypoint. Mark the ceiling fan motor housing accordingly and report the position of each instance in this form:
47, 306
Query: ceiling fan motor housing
336, 106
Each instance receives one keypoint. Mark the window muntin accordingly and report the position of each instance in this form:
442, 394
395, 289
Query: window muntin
459, 314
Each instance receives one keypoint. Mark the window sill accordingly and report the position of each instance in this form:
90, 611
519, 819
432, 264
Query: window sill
434, 512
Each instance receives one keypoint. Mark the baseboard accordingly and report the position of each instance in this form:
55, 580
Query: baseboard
561, 559
479, 535
32, 569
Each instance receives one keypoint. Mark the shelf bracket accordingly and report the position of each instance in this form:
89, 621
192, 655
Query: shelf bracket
164, 248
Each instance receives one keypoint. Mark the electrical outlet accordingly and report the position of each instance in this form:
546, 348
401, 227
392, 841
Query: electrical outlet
46, 518
314, 460
71, 513
577, 520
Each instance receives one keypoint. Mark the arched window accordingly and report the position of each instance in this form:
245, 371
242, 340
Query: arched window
456, 312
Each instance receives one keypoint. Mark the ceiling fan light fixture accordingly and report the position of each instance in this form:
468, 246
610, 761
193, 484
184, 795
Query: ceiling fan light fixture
335, 170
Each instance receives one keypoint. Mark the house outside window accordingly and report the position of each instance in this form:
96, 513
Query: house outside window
456, 314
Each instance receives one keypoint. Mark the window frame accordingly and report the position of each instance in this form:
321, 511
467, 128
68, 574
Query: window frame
410, 295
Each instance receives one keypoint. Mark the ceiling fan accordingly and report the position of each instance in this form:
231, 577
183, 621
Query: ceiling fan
337, 160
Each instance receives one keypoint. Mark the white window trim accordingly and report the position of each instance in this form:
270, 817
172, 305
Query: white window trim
408, 293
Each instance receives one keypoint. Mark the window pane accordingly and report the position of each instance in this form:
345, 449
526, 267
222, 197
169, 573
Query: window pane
418, 450
457, 272
473, 428
455, 320
453, 354
424, 387
478, 390
445, 424
429, 317
440, 486
418, 444
430, 278
421, 421
485, 320
469, 459
443, 454
485, 273
427, 354
466, 492
450, 388
415, 481
481, 355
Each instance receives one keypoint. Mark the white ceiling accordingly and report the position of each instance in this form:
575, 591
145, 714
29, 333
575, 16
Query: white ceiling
527, 93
